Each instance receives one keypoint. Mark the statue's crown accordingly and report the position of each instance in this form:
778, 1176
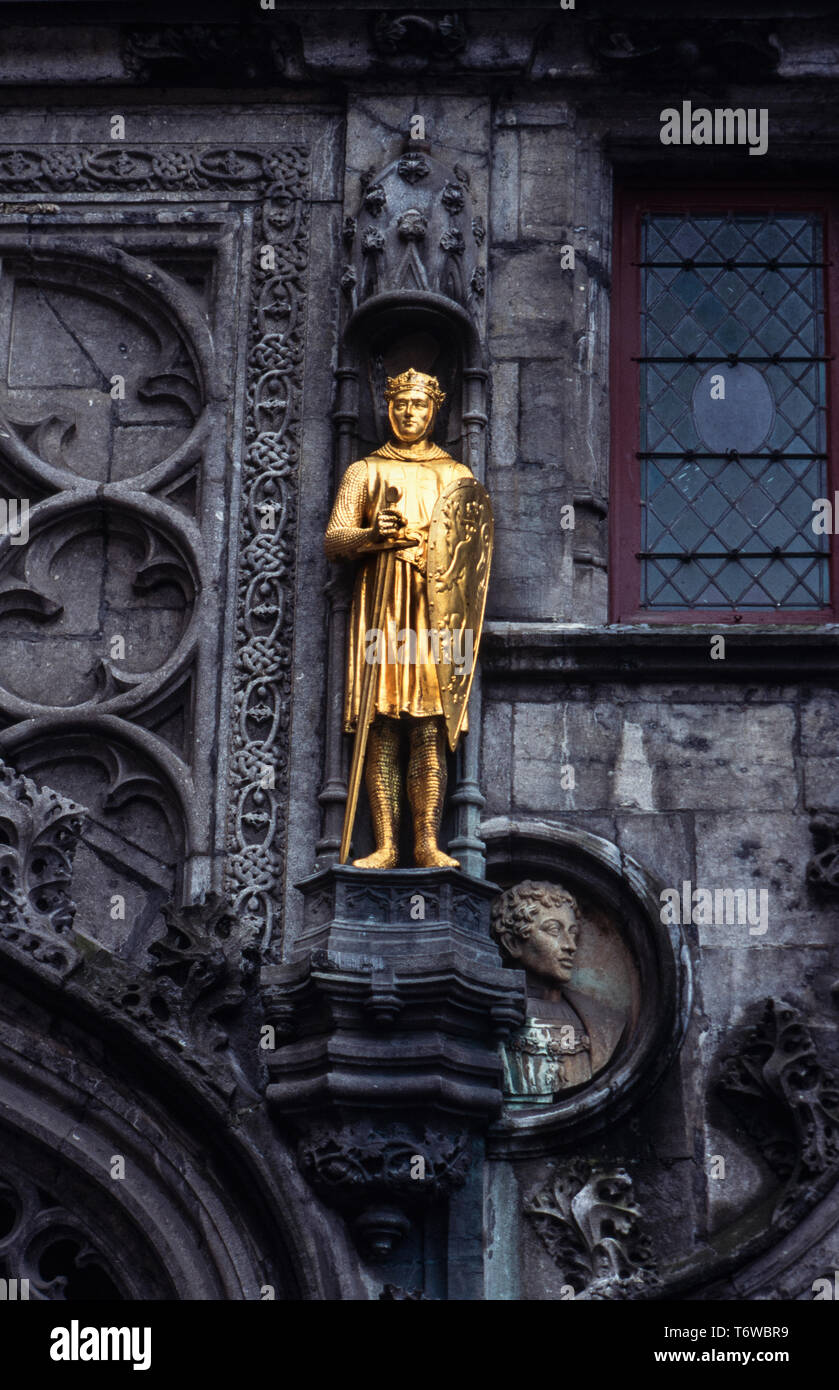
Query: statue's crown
407, 380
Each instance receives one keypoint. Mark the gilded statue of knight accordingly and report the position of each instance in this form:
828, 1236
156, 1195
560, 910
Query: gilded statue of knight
421, 527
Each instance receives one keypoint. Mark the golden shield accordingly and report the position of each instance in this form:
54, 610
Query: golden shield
459, 557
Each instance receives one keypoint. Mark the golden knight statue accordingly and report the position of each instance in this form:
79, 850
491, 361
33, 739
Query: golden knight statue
422, 527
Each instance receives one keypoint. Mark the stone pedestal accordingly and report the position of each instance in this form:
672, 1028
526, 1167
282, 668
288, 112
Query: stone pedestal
387, 1021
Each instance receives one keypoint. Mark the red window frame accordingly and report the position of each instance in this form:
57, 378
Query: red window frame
631, 203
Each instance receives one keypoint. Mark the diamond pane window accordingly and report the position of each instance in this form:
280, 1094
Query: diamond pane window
721, 354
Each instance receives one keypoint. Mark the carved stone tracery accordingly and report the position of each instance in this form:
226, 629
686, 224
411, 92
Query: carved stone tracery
154, 515
50, 1248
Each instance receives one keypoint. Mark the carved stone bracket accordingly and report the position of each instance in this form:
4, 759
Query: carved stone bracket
592, 1227
374, 1172
387, 1022
787, 1100
419, 36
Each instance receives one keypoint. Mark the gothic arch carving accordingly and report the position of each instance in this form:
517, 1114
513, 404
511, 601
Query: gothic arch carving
200, 1213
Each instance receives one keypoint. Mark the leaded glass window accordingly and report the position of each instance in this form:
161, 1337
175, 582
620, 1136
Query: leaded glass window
733, 444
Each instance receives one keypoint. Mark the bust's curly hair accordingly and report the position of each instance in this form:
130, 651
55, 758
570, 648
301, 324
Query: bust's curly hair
516, 911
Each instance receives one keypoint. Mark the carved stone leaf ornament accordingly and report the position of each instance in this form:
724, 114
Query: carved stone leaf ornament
787, 1099
823, 867
368, 1161
39, 830
200, 968
713, 50
592, 1227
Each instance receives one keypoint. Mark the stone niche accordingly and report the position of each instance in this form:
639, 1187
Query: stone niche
593, 1046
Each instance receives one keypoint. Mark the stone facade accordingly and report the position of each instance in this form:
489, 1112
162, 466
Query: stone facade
202, 225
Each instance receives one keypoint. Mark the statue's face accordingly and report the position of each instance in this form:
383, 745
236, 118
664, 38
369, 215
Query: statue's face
548, 952
411, 415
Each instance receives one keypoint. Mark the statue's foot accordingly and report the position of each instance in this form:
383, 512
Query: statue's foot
384, 858
430, 857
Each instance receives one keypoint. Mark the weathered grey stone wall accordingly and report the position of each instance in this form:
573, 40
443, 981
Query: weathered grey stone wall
549, 346
693, 777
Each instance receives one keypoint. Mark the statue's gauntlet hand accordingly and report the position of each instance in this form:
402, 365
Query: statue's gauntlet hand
387, 524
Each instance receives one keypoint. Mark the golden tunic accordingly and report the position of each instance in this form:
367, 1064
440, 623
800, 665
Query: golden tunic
421, 475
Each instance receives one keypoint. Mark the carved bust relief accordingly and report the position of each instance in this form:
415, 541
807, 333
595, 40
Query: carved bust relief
581, 991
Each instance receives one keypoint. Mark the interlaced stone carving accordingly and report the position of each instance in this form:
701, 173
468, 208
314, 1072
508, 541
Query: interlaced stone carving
95, 168
256, 829
371, 1161
592, 1227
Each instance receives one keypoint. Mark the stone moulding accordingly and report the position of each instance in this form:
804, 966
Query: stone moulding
249, 171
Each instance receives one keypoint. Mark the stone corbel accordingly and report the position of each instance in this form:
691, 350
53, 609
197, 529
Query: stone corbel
385, 1064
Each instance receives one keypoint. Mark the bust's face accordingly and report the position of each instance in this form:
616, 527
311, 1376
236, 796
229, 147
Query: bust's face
411, 415
548, 952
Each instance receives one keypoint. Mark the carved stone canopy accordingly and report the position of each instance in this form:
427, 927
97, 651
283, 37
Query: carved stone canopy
416, 235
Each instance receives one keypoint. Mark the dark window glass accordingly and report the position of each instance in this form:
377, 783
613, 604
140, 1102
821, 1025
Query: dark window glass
733, 412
